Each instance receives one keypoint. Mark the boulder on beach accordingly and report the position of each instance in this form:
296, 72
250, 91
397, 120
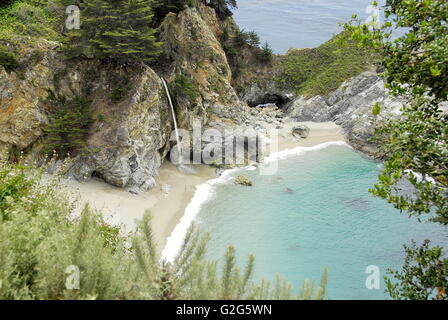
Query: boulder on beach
300, 131
243, 181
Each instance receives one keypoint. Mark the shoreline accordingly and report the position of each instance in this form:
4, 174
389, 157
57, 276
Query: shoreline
177, 197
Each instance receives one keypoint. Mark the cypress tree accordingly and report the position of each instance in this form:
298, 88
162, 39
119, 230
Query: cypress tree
116, 30
68, 126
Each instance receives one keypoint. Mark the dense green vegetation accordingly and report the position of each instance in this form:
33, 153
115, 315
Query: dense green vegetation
223, 7
32, 19
8, 59
321, 70
240, 43
183, 87
265, 55
119, 31
121, 85
68, 127
42, 234
5, 3
415, 145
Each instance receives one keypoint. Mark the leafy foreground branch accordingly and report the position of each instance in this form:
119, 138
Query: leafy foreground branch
414, 145
41, 235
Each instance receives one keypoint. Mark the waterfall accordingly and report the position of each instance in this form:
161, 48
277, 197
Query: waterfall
174, 119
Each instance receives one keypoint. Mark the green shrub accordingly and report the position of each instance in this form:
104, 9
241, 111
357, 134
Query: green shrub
321, 70
243, 38
69, 124
230, 50
254, 39
163, 7
121, 87
265, 54
8, 59
223, 8
184, 87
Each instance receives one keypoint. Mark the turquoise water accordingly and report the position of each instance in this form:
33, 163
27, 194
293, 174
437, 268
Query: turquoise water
329, 219
297, 23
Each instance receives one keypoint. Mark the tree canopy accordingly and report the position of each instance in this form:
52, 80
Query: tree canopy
223, 7
119, 31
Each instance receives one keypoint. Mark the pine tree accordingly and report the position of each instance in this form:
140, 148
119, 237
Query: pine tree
117, 30
223, 7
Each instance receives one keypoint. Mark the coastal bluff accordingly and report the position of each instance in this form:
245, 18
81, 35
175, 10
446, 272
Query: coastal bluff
128, 134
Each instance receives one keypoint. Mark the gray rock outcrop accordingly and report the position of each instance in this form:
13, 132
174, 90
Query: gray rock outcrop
350, 106
125, 145
256, 94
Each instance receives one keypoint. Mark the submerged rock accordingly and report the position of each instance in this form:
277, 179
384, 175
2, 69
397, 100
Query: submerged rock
243, 181
288, 190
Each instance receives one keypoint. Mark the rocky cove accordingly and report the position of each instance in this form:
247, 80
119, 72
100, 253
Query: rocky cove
130, 129
130, 139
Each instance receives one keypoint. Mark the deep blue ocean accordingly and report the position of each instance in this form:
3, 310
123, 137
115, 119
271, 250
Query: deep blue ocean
288, 24
328, 218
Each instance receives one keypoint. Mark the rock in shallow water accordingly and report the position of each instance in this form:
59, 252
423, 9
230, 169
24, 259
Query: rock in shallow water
243, 181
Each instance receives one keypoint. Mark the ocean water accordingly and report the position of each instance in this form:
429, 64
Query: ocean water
327, 218
298, 23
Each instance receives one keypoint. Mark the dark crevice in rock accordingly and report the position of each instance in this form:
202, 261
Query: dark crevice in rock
269, 98
97, 175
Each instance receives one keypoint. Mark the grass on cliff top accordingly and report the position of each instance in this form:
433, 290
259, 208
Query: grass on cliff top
321, 70
28, 19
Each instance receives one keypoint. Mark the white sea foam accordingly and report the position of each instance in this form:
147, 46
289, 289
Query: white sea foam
206, 190
299, 150
202, 194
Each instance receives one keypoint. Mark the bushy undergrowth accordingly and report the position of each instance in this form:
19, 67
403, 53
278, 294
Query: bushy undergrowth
321, 70
8, 59
69, 123
183, 87
41, 236
120, 88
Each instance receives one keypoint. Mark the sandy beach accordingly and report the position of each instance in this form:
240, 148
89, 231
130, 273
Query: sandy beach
175, 189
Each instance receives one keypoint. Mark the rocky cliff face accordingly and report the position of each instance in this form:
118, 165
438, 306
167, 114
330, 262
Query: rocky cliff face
350, 106
22, 111
191, 44
127, 146
129, 138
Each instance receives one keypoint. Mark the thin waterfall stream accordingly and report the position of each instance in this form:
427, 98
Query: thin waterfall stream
179, 165
174, 120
